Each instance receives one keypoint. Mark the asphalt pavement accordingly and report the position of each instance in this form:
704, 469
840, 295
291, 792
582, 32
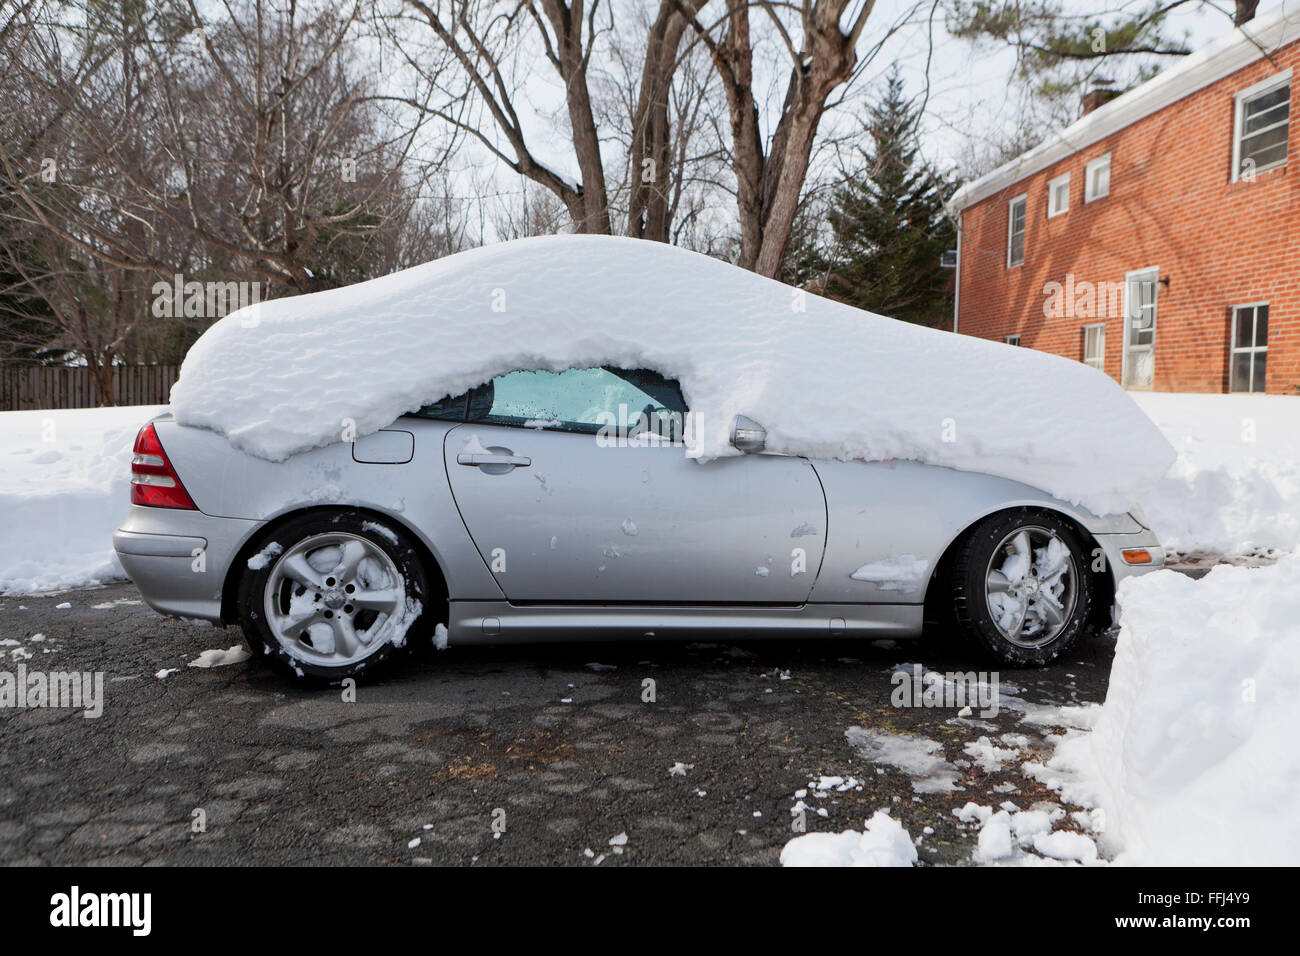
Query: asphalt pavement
577, 754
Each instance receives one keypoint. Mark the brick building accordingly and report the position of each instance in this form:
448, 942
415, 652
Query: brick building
1158, 238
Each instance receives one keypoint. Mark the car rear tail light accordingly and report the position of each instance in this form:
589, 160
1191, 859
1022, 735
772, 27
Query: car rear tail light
154, 481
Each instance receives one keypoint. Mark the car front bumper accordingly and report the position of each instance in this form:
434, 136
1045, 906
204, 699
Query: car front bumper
179, 559
1121, 566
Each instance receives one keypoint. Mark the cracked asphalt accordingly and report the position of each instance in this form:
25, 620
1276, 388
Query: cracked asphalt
507, 755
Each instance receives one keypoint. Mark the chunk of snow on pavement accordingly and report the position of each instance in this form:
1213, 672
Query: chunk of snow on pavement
989, 757
883, 842
166, 672
919, 757
620, 840
995, 838
1192, 758
1066, 845
679, 769
973, 813
1028, 823
284, 385
898, 572
1081, 716
215, 658
440, 636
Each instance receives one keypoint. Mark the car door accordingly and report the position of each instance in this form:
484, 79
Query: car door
575, 487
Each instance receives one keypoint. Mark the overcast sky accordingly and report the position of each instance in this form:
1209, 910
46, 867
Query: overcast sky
971, 100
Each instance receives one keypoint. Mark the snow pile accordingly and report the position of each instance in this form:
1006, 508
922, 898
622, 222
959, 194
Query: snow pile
1192, 760
826, 380
1235, 486
884, 842
1011, 836
64, 488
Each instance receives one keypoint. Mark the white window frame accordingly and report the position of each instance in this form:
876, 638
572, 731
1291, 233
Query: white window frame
1011, 223
1099, 362
1052, 186
1011, 339
1089, 193
1239, 100
1234, 351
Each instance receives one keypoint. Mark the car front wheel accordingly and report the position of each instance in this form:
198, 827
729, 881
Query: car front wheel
1022, 588
332, 594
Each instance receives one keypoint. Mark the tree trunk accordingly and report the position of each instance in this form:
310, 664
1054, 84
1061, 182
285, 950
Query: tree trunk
649, 214
768, 186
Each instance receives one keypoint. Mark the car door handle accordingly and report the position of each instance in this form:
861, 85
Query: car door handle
476, 460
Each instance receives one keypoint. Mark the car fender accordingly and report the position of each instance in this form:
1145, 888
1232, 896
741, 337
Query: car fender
897, 514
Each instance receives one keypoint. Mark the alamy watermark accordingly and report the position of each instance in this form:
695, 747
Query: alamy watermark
73, 690
1082, 299
202, 300
953, 690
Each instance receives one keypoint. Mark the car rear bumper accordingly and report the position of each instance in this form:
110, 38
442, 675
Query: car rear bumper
179, 559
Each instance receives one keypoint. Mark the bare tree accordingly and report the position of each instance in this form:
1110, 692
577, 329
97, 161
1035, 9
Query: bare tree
233, 139
488, 41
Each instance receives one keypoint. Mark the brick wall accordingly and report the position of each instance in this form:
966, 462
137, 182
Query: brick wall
1172, 206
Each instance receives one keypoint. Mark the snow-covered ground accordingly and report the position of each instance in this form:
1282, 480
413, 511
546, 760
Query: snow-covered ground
64, 488
1235, 487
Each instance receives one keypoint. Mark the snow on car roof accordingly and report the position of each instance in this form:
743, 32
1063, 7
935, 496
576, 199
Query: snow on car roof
826, 380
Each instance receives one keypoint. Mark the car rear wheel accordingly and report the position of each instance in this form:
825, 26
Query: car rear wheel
1022, 590
332, 594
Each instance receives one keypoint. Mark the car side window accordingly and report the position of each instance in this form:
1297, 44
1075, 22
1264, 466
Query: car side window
629, 402
449, 409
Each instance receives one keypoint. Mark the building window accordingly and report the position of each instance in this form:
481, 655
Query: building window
1094, 346
1016, 232
1058, 196
1011, 339
1263, 114
1249, 359
1096, 181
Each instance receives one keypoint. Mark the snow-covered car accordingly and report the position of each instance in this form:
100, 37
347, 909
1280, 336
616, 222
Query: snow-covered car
582, 437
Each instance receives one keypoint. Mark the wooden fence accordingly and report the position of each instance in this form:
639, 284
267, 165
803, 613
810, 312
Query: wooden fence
49, 387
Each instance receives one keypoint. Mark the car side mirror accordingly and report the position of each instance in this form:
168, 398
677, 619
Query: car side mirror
748, 435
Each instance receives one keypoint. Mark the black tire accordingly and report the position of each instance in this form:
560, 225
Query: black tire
259, 574
976, 621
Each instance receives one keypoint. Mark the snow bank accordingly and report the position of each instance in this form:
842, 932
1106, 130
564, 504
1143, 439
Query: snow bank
64, 488
1235, 486
884, 842
1193, 759
826, 380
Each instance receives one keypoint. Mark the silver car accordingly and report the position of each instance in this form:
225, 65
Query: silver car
545, 506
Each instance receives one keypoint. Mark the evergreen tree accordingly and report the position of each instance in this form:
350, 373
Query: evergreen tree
887, 223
